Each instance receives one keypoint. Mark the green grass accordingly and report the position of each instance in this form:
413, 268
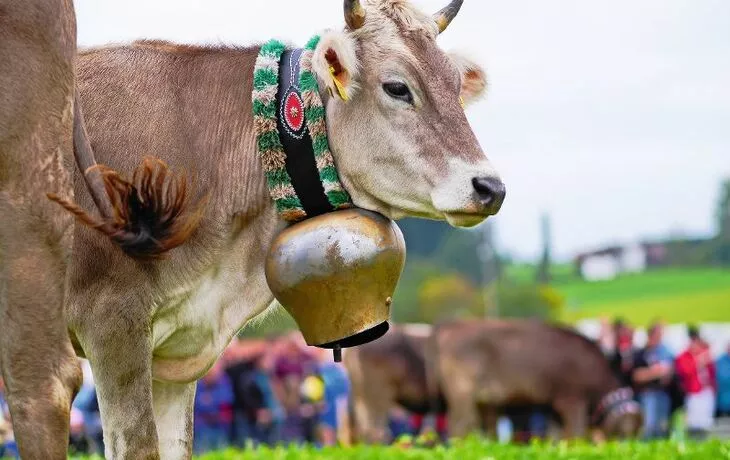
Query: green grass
650, 284
673, 295
475, 449
699, 307
526, 273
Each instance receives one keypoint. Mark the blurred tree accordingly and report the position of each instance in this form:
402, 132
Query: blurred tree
691, 252
450, 248
447, 296
723, 210
424, 237
458, 253
543, 269
518, 300
406, 306
491, 270
722, 241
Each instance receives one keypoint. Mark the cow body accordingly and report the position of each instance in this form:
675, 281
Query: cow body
150, 325
485, 366
386, 373
181, 311
41, 373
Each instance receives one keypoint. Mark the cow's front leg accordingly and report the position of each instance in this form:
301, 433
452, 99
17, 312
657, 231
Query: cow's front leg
574, 413
173, 405
463, 417
490, 420
117, 341
371, 420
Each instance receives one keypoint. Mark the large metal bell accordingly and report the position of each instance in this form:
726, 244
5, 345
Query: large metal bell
336, 274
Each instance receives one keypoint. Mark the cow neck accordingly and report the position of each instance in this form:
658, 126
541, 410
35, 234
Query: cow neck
291, 134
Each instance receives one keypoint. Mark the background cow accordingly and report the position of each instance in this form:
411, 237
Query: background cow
483, 366
151, 325
389, 372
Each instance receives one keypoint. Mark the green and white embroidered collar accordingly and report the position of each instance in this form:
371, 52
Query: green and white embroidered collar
276, 107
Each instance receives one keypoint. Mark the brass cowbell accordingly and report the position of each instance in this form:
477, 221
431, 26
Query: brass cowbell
335, 274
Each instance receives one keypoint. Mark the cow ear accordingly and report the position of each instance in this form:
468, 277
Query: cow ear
335, 64
473, 78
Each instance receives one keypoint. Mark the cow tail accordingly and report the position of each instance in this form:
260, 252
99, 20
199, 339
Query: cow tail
145, 217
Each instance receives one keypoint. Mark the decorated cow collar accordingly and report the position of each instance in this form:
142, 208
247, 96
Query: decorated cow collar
617, 402
291, 134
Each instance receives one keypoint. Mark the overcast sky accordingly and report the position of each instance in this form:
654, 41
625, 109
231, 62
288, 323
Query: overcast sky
612, 116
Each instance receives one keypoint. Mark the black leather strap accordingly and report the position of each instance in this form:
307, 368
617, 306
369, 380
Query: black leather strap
294, 135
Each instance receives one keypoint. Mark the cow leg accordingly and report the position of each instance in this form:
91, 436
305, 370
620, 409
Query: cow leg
41, 372
40, 369
371, 419
173, 406
489, 417
574, 412
463, 415
116, 340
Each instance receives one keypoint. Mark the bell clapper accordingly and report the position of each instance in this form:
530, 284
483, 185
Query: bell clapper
337, 351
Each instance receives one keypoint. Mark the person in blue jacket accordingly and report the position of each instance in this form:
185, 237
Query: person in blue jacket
271, 419
723, 384
86, 401
8, 449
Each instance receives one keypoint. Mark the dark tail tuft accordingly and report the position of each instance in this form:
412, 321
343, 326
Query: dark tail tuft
152, 214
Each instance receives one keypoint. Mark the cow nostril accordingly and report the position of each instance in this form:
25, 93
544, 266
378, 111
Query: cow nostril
490, 190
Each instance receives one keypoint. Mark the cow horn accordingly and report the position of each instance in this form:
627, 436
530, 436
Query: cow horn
354, 14
444, 17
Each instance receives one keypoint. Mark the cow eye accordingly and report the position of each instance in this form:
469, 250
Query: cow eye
398, 90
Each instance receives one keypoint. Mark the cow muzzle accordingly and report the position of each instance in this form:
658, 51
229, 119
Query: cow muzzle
468, 192
335, 274
490, 192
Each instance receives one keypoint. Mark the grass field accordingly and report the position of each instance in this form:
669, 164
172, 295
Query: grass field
674, 295
475, 449
526, 272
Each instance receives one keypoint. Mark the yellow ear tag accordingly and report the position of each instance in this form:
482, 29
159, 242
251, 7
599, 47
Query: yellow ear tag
338, 85
461, 101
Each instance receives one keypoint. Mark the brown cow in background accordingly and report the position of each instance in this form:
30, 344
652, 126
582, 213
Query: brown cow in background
483, 366
487, 369
389, 372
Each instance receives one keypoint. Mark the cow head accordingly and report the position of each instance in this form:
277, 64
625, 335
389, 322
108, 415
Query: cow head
619, 416
625, 425
395, 117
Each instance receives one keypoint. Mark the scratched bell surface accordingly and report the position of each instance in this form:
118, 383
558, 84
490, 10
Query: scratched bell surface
336, 274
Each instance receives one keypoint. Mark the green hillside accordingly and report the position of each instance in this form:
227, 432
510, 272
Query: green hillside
676, 295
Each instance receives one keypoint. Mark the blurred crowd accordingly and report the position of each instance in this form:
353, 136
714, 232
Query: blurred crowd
278, 390
261, 391
664, 383
270, 391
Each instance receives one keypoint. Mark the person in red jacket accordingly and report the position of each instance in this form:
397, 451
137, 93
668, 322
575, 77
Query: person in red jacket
696, 371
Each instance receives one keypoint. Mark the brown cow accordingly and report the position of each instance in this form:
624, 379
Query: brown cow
151, 326
37, 48
386, 373
485, 365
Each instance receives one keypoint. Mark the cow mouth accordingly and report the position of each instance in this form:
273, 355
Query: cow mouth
465, 219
